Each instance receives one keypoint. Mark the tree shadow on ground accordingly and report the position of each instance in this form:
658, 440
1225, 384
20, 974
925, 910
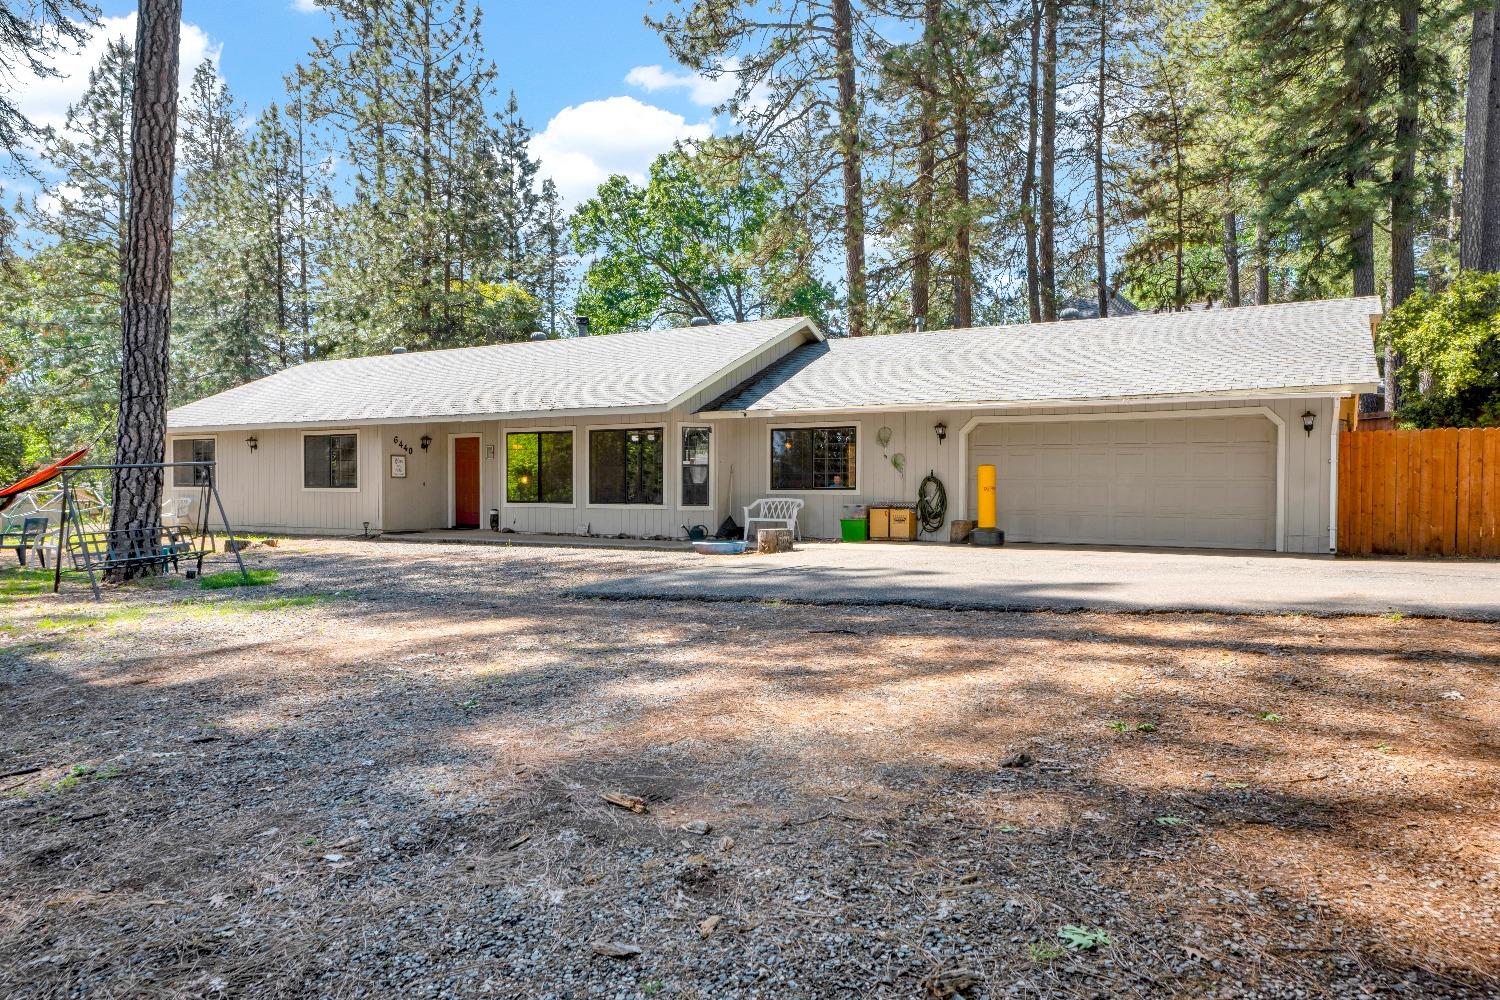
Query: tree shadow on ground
451, 751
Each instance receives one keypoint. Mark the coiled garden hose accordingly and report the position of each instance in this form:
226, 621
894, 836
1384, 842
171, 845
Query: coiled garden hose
932, 504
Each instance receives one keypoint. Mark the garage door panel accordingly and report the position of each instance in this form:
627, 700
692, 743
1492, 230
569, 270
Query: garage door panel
1090, 432
1169, 431
1195, 481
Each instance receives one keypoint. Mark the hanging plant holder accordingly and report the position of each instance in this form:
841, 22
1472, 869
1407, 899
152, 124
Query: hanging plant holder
883, 436
899, 461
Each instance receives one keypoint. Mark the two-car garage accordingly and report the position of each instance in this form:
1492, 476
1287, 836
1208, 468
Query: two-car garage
1194, 481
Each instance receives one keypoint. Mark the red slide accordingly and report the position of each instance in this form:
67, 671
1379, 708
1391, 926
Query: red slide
40, 477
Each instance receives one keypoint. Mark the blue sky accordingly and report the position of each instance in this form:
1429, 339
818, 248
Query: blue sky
592, 79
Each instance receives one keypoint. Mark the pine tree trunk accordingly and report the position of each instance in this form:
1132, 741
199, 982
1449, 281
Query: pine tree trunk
146, 310
921, 236
1262, 253
1101, 263
1028, 183
849, 143
1047, 185
1403, 236
1403, 174
963, 267
1479, 230
1358, 68
1231, 259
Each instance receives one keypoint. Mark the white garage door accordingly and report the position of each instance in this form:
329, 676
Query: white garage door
1189, 481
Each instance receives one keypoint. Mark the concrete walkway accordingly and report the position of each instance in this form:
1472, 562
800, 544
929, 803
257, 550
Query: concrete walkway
483, 537
1068, 578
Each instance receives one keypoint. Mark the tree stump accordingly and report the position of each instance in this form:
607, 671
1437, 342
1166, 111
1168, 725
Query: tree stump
958, 531
772, 540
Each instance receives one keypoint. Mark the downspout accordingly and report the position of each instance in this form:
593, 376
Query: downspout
1333, 476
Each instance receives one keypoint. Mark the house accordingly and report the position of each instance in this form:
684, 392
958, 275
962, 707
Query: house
1214, 429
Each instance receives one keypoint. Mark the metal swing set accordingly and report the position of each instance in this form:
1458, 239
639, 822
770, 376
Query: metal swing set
93, 547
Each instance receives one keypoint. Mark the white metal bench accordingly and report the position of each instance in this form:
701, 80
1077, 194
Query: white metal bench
772, 512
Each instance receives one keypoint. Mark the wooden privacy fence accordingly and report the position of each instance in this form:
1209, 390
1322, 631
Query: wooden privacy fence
1420, 493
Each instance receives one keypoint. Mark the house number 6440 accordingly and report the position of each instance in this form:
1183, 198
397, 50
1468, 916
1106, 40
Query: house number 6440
403, 445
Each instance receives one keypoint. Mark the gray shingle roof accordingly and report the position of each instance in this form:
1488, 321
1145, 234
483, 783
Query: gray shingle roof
646, 370
1253, 349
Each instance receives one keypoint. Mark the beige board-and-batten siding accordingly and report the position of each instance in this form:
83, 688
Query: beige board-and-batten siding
744, 448
262, 488
263, 491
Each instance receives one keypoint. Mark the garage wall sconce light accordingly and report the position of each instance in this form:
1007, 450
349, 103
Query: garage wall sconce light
942, 431
1308, 419
253, 442
426, 441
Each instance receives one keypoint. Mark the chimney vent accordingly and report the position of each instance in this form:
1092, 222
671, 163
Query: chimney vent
398, 350
700, 321
582, 322
539, 335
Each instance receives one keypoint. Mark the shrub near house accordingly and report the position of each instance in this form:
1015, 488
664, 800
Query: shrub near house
1450, 345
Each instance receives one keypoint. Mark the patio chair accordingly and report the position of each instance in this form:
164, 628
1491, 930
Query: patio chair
772, 512
175, 511
33, 532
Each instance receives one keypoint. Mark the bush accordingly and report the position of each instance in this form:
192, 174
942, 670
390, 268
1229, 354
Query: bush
1450, 342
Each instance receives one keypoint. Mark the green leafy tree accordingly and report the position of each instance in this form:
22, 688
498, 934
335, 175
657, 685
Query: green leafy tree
1451, 342
704, 236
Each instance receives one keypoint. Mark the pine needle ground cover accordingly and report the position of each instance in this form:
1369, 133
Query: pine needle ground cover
367, 779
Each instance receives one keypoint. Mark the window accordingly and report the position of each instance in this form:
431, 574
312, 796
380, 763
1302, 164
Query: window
330, 462
192, 450
626, 466
813, 458
539, 467
695, 452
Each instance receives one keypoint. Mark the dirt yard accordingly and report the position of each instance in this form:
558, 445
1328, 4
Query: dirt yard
385, 775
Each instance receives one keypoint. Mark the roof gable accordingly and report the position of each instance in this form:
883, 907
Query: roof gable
644, 371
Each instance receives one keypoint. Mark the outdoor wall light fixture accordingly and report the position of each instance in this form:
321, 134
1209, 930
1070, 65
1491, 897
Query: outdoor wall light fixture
253, 442
942, 431
1308, 419
426, 441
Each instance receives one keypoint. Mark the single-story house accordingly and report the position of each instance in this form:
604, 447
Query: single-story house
1215, 429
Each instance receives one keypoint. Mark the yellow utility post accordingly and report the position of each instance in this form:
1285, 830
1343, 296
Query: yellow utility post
987, 496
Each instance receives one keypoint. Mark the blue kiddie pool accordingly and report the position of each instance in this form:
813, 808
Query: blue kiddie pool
719, 548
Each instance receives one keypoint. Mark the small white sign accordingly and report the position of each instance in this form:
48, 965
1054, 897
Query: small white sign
398, 466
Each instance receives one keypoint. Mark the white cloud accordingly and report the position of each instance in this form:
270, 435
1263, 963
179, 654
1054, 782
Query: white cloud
45, 100
702, 90
305, 6
584, 144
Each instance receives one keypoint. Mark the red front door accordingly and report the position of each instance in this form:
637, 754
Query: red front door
466, 482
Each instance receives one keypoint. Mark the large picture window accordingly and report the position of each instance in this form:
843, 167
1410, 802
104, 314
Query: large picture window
539, 467
191, 450
696, 443
625, 467
330, 462
813, 458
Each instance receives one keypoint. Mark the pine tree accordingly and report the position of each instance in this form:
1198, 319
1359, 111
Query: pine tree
800, 92
146, 299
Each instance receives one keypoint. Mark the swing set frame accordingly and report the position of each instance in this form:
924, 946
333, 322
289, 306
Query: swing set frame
98, 550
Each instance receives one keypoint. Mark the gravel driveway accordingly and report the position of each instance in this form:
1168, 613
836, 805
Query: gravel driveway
427, 771
1069, 578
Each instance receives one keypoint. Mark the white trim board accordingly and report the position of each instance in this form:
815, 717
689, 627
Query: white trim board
1053, 418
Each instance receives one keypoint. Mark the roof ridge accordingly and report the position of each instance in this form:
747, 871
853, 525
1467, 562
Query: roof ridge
1083, 325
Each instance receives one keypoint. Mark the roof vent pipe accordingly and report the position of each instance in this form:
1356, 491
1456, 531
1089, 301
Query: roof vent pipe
538, 335
700, 321
398, 350
582, 322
